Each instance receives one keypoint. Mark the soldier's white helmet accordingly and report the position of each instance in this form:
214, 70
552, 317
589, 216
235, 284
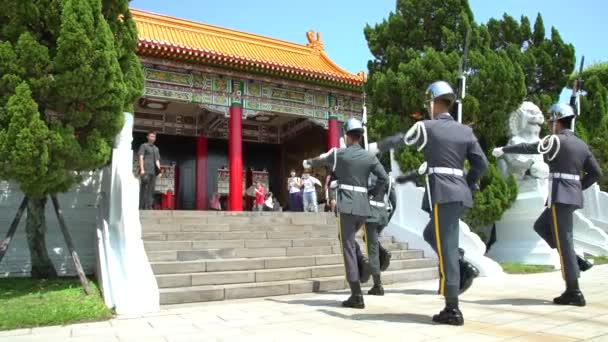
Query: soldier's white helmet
440, 90
353, 125
560, 111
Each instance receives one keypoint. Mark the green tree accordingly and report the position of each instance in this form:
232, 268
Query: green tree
547, 62
68, 71
592, 125
490, 203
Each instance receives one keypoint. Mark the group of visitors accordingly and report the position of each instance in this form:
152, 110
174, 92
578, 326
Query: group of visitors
303, 191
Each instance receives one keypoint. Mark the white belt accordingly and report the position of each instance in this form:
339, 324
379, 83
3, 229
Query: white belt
353, 188
376, 204
445, 171
568, 176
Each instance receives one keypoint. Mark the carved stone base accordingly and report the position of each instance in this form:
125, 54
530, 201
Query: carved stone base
516, 240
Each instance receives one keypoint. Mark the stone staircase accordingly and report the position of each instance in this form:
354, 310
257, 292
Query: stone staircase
201, 256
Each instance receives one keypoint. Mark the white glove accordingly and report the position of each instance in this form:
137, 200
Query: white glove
306, 164
498, 152
422, 168
373, 148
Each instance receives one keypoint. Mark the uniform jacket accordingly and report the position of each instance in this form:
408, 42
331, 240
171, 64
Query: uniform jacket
352, 166
449, 145
381, 215
573, 158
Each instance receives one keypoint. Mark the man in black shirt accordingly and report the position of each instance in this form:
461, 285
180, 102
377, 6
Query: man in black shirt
149, 167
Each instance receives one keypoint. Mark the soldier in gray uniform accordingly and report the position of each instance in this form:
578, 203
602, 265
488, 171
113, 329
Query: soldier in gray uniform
446, 145
352, 166
568, 157
381, 212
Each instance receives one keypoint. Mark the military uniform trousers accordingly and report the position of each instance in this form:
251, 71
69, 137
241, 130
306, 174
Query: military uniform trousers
556, 221
442, 233
372, 232
348, 226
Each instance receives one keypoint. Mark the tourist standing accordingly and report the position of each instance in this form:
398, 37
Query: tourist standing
259, 197
149, 168
309, 191
568, 157
352, 166
294, 185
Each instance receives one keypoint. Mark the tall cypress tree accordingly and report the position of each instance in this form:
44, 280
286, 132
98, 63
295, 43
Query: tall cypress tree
68, 71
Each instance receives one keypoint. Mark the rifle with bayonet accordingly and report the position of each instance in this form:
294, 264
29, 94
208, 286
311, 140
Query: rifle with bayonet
575, 99
462, 78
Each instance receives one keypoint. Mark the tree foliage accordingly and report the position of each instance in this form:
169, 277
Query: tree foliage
592, 125
68, 71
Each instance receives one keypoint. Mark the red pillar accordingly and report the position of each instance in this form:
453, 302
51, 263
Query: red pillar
333, 133
201, 173
235, 157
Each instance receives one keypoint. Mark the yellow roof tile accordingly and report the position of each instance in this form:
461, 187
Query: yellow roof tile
168, 36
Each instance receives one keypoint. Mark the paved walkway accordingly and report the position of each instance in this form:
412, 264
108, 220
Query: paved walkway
515, 308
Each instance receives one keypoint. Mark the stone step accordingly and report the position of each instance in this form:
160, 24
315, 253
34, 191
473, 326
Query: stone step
231, 253
176, 267
251, 243
211, 217
254, 246
154, 229
268, 275
206, 293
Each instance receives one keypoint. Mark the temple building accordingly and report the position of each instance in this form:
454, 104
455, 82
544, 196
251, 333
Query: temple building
231, 108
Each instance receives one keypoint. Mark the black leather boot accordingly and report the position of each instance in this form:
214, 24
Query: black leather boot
571, 297
365, 270
450, 316
377, 289
355, 300
385, 258
468, 272
583, 264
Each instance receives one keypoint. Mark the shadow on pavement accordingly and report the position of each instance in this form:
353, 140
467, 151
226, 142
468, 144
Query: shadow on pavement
389, 317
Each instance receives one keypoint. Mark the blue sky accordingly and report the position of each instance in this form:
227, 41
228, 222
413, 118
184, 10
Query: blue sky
582, 23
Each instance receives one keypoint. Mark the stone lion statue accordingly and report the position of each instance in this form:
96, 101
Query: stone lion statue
524, 127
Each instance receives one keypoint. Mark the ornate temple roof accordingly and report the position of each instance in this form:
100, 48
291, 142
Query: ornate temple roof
169, 37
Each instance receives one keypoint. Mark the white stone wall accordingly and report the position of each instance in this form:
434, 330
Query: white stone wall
79, 206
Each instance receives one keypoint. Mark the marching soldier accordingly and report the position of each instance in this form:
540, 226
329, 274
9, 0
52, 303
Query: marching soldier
568, 157
352, 166
381, 212
446, 145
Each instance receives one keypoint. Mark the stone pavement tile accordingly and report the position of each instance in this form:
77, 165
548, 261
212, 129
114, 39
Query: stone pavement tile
531, 325
167, 321
97, 338
502, 318
178, 330
473, 337
202, 317
581, 330
602, 338
142, 339
140, 323
53, 331
16, 332
242, 323
540, 337
101, 331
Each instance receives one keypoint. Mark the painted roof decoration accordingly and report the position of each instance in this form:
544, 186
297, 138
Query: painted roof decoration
169, 37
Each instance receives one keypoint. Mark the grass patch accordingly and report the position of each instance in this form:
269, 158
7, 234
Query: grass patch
512, 268
26, 302
599, 260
